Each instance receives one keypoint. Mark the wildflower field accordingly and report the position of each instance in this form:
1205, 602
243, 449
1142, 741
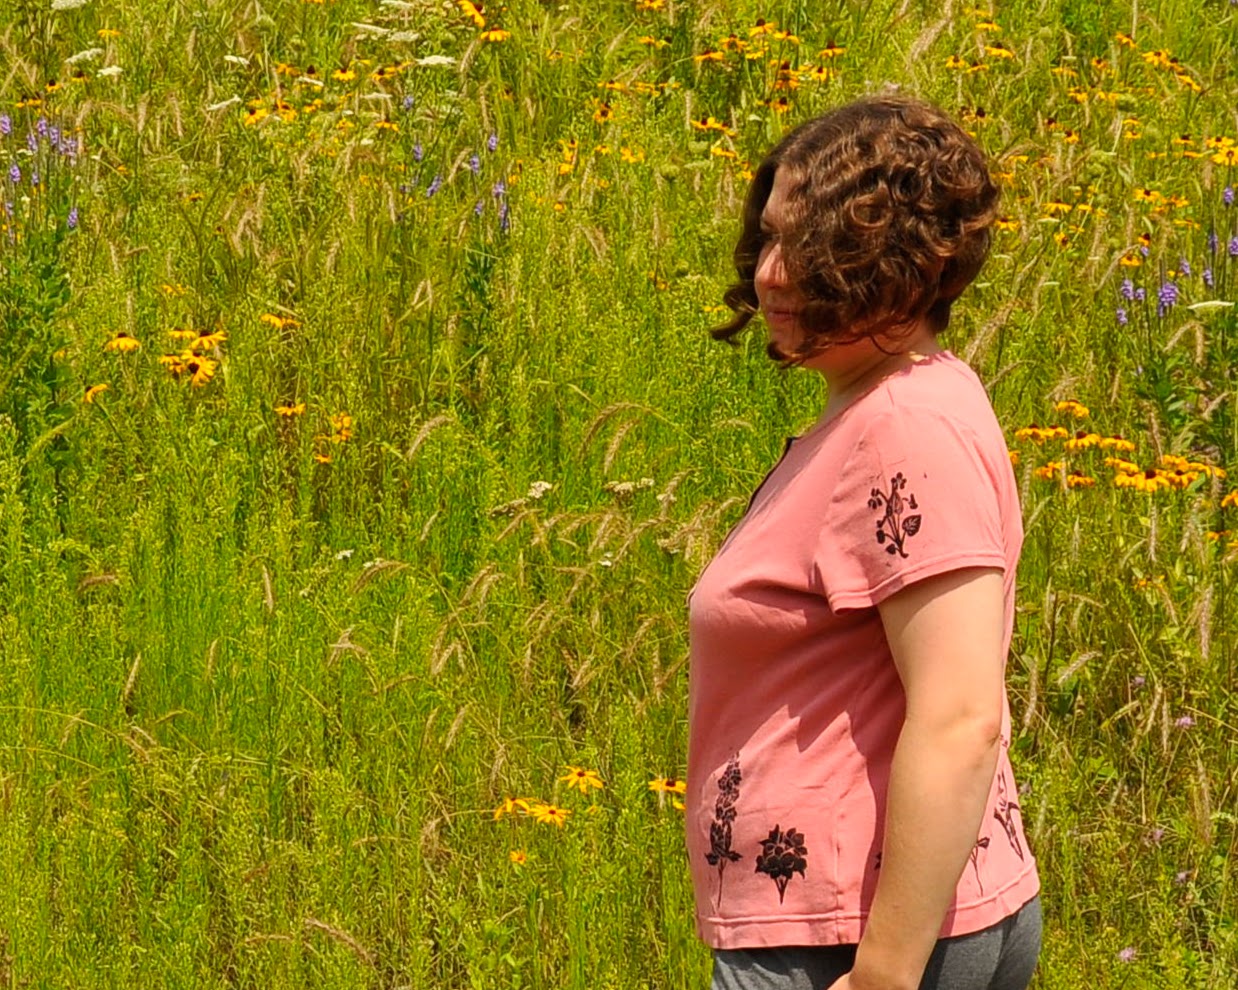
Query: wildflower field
361, 436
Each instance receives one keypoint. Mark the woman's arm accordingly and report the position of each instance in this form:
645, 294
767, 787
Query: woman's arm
945, 634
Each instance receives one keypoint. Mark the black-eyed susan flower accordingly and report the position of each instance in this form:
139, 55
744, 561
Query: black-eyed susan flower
200, 368
513, 806
518, 857
582, 779
956, 62
1046, 472
204, 340
1081, 441
495, 35
473, 12
548, 814
997, 50
1075, 479
1075, 409
123, 343
291, 410
1230, 501
668, 785
1006, 223
95, 391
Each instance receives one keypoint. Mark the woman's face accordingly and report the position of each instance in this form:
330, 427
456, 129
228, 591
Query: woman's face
780, 300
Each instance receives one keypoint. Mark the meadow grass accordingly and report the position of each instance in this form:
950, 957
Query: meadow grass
413, 442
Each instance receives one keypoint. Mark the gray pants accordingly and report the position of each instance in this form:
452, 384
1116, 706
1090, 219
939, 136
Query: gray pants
998, 958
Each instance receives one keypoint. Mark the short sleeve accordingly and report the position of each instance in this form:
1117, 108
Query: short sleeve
915, 498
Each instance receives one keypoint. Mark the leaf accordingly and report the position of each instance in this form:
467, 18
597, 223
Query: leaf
911, 525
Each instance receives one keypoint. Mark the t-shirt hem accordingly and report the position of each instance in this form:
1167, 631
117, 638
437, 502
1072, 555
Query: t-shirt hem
845, 928
867, 597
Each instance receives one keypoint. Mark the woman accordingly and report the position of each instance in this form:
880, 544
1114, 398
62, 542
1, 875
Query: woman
852, 816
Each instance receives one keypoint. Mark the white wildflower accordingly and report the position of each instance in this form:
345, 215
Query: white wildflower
312, 82
538, 489
343, 554
237, 60
68, 4
231, 101
111, 70
405, 36
436, 60
86, 56
606, 561
398, 4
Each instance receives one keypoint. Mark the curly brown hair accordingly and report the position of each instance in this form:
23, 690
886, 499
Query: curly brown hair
887, 221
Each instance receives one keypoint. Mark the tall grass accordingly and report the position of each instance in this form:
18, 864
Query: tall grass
268, 674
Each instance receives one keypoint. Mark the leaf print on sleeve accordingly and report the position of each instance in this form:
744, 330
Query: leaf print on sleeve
893, 529
720, 851
783, 854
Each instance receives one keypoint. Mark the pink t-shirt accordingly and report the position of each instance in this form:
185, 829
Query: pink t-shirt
795, 704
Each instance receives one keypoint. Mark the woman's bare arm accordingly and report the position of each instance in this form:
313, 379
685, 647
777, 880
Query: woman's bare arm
945, 634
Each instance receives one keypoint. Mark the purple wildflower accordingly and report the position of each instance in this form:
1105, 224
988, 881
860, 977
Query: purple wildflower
407, 102
492, 143
1184, 266
6, 125
53, 135
417, 152
434, 186
73, 219
1141, 294
1227, 197
34, 179
479, 208
1155, 836
499, 190
504, 220
32, 141
1127, 955
1233, 247
1213, 242
1138, 681
1127, 289
1123, 319
1207, 277
14, 174
1181, 877
474, 164
1185, 722
1166, 296
1143, 249
40, 125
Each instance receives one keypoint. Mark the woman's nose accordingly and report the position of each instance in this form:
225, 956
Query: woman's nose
771, 273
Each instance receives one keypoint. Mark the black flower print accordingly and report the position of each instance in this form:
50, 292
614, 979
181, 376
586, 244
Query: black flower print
720, 851
782, 855
1004, 811
893, 529
974, 857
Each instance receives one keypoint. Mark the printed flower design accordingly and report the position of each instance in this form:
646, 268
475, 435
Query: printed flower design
892, 526
782, 855
1004, 811
720, 851
974, 857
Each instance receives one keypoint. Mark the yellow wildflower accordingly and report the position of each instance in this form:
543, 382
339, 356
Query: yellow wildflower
1124, 39
94, 391
473, 13
123, 343
582, 779
495, 35
513, 806
518, 857
998, 50
668, 785
548, 814
1230, 500
296, 410
1076, 409
1048, 471
1117, 443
